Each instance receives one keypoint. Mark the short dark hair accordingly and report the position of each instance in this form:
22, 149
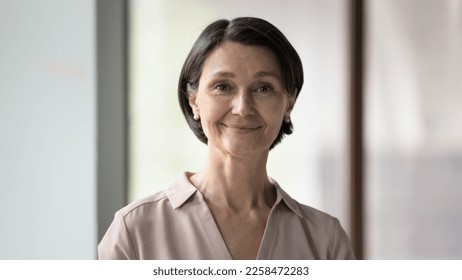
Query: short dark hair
248, 31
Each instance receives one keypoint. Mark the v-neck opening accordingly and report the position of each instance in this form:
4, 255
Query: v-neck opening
216, 237
212, 231
268, 234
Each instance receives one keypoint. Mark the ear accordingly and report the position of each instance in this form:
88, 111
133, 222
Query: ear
192, 98
290, 105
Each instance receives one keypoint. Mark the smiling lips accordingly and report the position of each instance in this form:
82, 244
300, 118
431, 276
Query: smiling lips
242, 128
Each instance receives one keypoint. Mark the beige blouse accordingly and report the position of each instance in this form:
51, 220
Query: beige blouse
177, 224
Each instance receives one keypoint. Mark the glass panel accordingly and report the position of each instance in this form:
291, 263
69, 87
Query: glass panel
414, 138
308, 164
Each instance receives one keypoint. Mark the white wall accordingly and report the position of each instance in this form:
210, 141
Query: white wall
47, 129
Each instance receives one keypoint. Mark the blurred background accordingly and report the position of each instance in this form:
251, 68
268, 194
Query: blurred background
90, 121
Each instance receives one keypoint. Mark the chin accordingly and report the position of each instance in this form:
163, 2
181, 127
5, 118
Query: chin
245, 151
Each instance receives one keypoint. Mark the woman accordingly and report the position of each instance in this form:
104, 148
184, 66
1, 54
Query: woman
237, 89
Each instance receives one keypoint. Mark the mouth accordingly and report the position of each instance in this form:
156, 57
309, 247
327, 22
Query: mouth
242, 128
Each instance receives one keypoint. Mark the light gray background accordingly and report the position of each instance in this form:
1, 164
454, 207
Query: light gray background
55, 111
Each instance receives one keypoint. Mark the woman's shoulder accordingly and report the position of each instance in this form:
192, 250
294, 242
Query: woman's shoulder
153, 200
319, 219
331, 241
313, 218
315, 214
307, 213
167, 199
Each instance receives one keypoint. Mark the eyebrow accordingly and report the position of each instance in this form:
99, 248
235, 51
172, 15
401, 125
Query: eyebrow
267, 74
224, 74
260, 74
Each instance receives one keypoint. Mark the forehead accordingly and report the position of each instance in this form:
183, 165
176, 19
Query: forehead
240, 59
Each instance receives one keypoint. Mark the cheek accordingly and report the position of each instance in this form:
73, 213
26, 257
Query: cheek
274, 113
211, 107
211, 114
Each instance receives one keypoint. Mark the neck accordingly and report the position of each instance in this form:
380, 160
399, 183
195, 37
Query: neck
235, 183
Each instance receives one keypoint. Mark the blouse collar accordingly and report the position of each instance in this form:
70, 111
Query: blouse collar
180, 191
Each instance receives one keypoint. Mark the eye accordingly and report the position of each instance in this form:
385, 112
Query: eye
222, 87
265, 89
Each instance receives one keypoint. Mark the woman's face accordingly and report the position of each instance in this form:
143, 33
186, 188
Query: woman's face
241, 99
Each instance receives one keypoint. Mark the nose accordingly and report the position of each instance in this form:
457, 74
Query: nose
243, 104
